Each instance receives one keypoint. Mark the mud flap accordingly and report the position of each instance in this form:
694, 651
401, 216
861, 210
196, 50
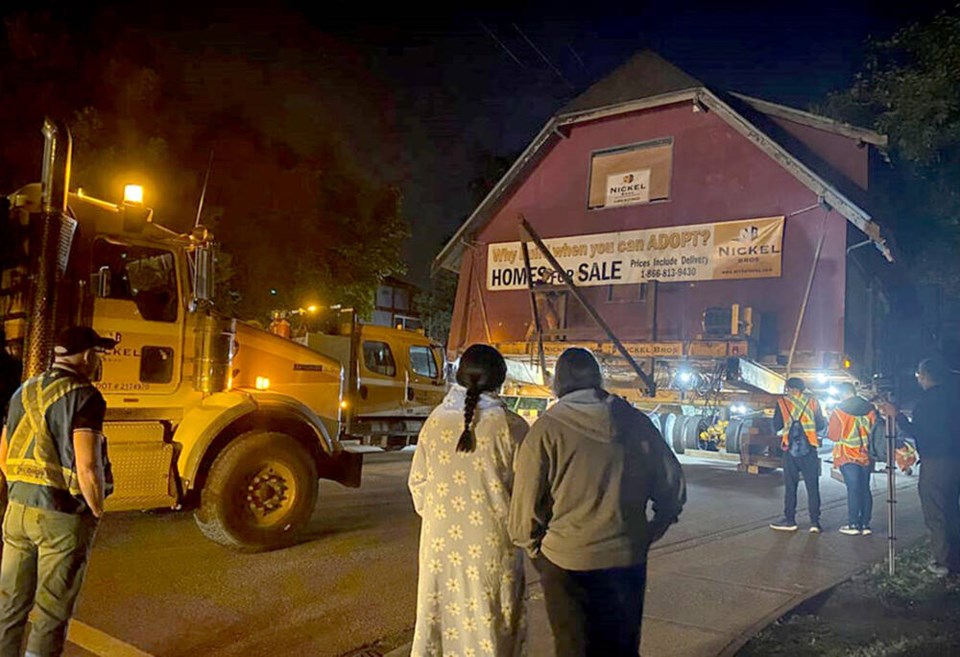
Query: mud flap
344, 467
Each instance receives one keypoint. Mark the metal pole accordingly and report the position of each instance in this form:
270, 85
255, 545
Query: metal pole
535, 310
531, 234
483, 309
891, 429
806, 294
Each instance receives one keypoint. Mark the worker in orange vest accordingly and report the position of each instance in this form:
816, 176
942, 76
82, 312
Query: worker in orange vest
851, 428
798, 420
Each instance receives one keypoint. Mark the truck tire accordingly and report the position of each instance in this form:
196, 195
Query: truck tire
260, 492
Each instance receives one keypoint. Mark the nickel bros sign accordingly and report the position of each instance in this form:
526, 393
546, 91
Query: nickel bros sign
750, 248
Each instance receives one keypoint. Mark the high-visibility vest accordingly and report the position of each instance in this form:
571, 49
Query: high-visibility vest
802, 408
853, 442
32, 453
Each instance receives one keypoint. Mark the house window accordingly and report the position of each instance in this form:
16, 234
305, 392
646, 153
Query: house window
627, 175
384, 296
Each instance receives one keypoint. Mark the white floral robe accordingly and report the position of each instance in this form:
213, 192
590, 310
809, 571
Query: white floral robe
471, 582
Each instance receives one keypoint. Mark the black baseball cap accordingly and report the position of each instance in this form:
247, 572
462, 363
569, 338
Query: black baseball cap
76, 339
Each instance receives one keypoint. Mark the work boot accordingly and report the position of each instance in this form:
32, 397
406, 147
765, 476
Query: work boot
784, 525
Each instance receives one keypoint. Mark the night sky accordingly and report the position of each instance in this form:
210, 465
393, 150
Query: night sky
489, 78
419, 94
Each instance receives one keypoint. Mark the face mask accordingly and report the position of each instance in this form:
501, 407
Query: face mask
94, 366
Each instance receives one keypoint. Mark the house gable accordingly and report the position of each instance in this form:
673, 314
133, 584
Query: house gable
718, 175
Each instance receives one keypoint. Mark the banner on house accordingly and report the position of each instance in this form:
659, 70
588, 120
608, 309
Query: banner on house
748, 248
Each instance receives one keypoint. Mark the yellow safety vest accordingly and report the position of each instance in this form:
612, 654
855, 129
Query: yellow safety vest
32, 453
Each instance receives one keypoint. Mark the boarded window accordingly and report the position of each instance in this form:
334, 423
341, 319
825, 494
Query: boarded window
627, 175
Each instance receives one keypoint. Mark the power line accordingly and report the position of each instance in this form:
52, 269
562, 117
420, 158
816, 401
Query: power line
576, 56
502, 46
542, 56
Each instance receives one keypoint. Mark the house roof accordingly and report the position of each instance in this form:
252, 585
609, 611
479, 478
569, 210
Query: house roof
646, 81
645, 75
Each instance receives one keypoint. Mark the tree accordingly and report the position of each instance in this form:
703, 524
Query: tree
435, 305
294, 208
909, 89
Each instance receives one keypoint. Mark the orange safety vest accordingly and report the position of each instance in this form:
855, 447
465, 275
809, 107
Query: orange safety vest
851, 433
802, 408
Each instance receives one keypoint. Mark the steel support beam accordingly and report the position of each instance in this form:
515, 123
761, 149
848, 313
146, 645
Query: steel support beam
527, 231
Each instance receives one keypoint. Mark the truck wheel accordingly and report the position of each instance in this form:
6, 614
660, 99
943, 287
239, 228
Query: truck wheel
261, 490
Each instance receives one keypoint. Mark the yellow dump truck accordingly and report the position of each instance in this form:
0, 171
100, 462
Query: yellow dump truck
393, 378
203, 412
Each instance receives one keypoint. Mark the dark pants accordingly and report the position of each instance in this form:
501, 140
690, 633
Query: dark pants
44, 559
939, 490
594, 613
809, 467
859, 497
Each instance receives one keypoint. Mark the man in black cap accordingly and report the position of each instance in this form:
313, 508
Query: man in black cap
53, 456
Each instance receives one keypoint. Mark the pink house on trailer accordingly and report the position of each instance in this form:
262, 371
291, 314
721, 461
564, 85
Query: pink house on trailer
721, 198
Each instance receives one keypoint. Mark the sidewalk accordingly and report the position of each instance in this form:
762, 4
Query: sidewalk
708, 596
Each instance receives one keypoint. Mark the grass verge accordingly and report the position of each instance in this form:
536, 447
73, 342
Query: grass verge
912, 614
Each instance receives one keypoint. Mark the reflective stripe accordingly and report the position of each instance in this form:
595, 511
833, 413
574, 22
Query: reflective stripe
800, 408
855, 428
853, 443
33, 457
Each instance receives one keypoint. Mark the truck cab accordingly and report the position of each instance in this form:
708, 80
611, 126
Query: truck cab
203, 412
395, 378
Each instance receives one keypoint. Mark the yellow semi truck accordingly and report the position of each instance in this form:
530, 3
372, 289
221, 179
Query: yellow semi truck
203, 411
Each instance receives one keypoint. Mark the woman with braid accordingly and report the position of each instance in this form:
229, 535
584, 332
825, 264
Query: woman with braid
471, 583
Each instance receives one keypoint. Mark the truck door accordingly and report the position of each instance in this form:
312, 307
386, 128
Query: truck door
426, 381
138, 303
381, 382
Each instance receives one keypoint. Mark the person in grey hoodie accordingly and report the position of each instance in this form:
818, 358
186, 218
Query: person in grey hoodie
584, 476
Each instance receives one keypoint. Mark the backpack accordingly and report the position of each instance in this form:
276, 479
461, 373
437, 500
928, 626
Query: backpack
797, 437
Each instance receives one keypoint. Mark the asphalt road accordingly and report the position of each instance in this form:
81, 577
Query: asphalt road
156, 587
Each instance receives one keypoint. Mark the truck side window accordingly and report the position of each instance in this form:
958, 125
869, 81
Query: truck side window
144, 275
378, 358
422, 362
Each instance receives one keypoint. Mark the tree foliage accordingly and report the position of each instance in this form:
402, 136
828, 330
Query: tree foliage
909, 89
298, 201
435, 305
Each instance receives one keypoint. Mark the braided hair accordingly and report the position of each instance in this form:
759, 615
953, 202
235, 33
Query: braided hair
482, 369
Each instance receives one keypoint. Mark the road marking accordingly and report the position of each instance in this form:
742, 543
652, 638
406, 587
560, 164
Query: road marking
101, 643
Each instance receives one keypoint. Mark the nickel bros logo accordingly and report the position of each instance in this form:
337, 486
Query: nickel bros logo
728, 250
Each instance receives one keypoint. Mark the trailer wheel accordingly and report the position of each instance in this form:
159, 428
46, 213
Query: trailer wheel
261, 490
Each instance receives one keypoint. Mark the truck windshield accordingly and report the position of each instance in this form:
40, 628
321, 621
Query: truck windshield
144, 275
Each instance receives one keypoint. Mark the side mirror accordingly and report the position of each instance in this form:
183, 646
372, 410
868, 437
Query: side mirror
103, 282
203, 274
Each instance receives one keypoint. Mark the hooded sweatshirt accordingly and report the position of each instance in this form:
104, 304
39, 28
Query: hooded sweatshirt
584, 475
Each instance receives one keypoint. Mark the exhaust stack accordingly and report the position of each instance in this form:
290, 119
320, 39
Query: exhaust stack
46, 229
